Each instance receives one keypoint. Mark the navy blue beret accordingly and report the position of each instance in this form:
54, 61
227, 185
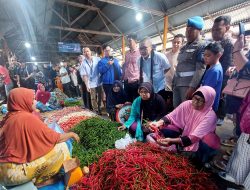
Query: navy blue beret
196, 22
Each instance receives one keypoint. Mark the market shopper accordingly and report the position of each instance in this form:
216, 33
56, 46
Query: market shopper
238, 167
39, 76
41, 94
220, 30
64, 75
190, 127
172, 55
13, 71
213, 76
25, 76
153, 67
116, 99
191, 67
90, 76
242, 68
74, 79
149, 106
85, 94
29, 150
109, 70
130, 69
4, 73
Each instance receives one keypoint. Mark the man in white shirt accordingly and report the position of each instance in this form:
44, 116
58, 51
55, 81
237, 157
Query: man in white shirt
65, 79
90, 75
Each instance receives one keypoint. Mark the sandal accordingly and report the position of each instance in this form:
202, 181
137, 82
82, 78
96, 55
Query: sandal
226, 177
229, 152
229, 142
220, 164
226, 157
50, 181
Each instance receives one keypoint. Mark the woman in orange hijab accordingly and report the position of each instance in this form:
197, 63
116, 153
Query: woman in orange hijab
29, 150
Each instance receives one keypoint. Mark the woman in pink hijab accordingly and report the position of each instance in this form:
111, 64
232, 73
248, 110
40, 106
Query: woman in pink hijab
190, 127
41, 94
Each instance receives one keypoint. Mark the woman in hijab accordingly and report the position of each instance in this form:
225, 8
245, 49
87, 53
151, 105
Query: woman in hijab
149, 106
116, 98
29, 150
41, 94
191, 126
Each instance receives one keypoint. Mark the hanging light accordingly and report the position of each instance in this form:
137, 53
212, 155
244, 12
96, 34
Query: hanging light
138, 17
33, 58
27, 45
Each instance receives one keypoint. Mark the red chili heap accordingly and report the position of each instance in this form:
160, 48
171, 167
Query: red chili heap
143, 166
67, 125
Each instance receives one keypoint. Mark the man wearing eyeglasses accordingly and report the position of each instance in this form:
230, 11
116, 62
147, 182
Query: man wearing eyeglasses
109, 70
153, 67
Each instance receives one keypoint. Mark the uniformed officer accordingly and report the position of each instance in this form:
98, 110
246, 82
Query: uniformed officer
190, 67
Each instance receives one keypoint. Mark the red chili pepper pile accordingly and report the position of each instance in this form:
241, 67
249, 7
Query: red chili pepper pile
59, 113
67, 125
143, 166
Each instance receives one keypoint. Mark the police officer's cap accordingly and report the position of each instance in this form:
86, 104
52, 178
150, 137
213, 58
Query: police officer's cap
196, 22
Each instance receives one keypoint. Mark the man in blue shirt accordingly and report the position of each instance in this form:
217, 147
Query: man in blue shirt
153, 67
213, 76
109, 70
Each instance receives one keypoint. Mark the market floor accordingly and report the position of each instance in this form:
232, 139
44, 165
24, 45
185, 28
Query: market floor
224, 131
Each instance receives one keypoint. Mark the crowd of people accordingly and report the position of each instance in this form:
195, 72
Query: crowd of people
178, 97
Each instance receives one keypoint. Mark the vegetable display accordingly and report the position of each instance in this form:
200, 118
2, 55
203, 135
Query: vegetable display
144, 166
71, 122
97, 135
56, 115
69, 102
75, 114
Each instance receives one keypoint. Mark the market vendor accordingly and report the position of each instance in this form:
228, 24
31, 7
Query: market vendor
116, 99
149, 106
29, 150
42, 95
191, 126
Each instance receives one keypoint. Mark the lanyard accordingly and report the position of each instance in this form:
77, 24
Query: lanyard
90, 64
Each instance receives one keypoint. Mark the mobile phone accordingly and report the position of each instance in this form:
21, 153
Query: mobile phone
241, 29
111, 58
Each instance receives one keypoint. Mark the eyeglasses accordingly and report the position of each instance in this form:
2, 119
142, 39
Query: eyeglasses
198, 100
143, 92
143, 48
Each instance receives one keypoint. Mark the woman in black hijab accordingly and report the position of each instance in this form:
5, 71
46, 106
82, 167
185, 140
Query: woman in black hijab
149, 106
116, 98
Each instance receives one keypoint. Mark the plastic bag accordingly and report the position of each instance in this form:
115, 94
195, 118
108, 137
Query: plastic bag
4, 109
54, 126
124, 142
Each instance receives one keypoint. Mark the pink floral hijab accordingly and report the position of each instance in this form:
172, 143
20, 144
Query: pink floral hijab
195, 123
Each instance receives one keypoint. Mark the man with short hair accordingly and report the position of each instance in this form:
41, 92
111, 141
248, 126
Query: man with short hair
109, 70
153, 66
90, 76
172, 58
25, 76
190, 67
219, 30
130, 70
63, 74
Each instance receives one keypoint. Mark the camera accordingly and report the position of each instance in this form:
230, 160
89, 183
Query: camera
111, 58
242, 30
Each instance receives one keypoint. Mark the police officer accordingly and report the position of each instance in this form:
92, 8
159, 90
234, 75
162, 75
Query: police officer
190, 67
